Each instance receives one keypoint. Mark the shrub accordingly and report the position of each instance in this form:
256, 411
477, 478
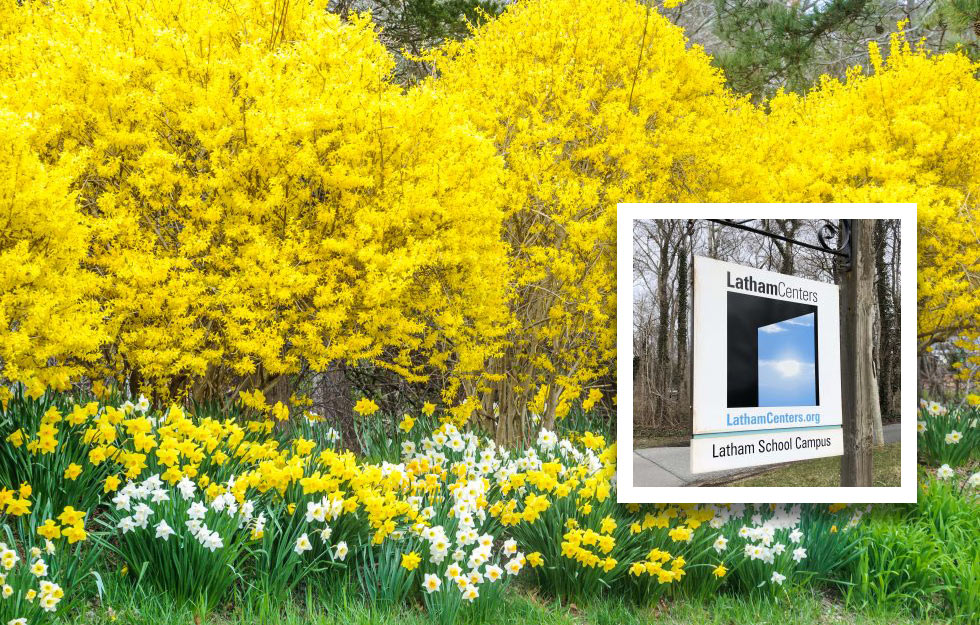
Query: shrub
258, 198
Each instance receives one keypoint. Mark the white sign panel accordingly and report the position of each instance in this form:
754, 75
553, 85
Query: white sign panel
717, 453
766, 359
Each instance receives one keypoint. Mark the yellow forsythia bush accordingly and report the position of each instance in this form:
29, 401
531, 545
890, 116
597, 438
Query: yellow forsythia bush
237, 192
589, 104
46, 307
260, 195
902, 131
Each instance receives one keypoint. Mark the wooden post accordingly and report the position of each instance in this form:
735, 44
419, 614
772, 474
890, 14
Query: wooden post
858, 384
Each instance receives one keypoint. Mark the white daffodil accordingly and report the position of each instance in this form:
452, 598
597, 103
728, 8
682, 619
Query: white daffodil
187, 488
494, 572
721, 543
303, 544
777, 578
431, 583
197, 510
470, 593
48, 603
164, 531
213, 541
121, 501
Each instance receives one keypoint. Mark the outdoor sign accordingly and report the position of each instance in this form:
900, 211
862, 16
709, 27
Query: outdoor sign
766, 379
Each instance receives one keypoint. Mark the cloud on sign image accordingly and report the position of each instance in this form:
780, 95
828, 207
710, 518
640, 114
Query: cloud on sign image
787, 363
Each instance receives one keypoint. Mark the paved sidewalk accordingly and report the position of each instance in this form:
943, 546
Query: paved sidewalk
671, 466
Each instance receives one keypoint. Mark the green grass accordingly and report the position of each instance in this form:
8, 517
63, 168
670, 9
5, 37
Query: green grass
336, 606
646, 442
826, 471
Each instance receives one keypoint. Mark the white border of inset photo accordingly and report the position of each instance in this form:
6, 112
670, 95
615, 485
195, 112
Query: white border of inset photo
627, 492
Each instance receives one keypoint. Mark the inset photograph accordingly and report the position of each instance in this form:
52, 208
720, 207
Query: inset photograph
765, 353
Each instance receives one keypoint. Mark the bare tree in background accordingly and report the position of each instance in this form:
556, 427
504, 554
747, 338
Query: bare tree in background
663, 252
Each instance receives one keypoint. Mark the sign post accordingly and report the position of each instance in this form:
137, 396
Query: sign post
766, 363
860, 386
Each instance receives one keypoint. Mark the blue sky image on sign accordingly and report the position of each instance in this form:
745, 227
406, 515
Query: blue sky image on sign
787, 363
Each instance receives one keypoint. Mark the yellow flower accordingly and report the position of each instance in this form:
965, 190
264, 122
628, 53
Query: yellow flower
365, 407
407, 424
17, 438
280, 411
25, 490
96, 455
428, 408
535, 559
71, 516
719, 571
73, 471
593, 441
49, 530
75, 533
18, 507
303, 447
607, 525
410, 561
111, 483
171, 475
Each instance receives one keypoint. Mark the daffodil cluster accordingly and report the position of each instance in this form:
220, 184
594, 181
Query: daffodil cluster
449, 517
948, 436
25, 585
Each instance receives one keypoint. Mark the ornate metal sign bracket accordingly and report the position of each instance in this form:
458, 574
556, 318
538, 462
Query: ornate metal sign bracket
834, 238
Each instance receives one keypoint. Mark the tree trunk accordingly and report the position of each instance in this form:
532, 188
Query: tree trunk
334, 398
663, 324
886, 356
894, 285
787, 228
681, 376
858, 384
510, 418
